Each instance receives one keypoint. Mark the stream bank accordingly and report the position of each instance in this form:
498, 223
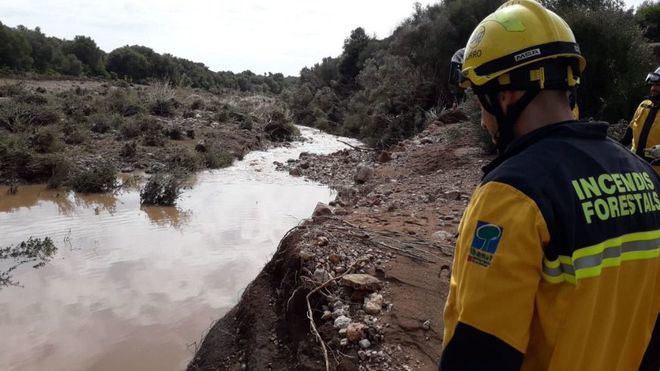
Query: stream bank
371, 269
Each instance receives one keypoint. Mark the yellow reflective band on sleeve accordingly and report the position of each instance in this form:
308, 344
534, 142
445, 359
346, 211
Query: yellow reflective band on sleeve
590, 261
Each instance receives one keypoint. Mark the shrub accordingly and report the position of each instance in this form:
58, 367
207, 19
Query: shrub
128, 150
153, 132
123, 102
34, 99
197, 104
98, 179
45, 140
163, 107
216, 158
104, 122
60, 169
130, 129
184, 159
12, 90
162, 189
75, 135
19, 116
175, 133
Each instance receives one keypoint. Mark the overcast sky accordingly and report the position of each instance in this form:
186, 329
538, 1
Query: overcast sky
236, 35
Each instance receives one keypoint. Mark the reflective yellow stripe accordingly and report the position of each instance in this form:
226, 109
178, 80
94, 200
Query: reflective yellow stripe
617, 241
590, 261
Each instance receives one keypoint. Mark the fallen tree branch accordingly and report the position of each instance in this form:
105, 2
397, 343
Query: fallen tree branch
358, 148
310, 314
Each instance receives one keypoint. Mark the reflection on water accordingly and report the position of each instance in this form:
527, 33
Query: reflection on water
131, 286
167, 216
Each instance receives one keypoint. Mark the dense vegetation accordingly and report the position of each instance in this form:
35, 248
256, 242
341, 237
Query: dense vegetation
81, 137
30, 51
384, 90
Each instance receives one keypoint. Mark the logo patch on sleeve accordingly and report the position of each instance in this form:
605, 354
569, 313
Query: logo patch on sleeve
484, 243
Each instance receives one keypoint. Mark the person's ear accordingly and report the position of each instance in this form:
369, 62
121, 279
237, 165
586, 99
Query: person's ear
507, 98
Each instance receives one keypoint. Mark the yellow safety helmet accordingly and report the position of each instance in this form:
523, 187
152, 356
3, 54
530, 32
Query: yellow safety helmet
520, 33
520, 46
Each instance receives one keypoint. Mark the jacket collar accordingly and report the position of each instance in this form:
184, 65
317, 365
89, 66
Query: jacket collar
565, 129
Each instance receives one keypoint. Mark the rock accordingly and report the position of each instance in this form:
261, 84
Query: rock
320, 275
304, 165
361, 282
452, 116
342, 322
363, 174
442, 236
343, 342
426, 325
295, 172
306, 255
426, 141
326, 315
322, 209
322, 241
338, 312
453, 195
340, 269
334, 258
384, 156
365, 343
127, 169
356, 331
373, 303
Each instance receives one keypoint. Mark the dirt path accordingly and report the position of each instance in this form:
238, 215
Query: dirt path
395, 228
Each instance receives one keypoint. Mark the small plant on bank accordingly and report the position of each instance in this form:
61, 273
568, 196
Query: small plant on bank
128, 150
45, 140
104, 122
98, 179
162, 189
217, 158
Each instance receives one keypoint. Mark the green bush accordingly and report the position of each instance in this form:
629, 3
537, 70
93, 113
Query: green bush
45, 140
130, 129
15, 116
184, 159
128, 150
105, 122
162, 189
124, 102
74, 134
163, 107
98, 179
216, 158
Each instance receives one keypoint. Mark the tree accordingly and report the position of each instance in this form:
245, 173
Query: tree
349, 66
88, 53
126, 62
14, 50
648, 18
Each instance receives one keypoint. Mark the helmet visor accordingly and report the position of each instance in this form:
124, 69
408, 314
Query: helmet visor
652, 78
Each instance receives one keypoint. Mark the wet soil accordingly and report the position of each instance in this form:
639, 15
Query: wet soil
395, 220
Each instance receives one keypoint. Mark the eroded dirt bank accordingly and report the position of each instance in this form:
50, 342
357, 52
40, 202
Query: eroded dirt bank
372, 268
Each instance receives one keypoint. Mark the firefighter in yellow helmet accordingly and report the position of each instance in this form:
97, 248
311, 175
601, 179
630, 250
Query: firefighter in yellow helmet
644, 130
557, 263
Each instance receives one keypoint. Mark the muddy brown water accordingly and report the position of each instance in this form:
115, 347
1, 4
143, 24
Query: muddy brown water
136, 288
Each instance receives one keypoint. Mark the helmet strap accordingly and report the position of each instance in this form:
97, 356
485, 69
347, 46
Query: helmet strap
506, 121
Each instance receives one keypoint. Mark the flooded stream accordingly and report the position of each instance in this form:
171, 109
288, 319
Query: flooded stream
136, 288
